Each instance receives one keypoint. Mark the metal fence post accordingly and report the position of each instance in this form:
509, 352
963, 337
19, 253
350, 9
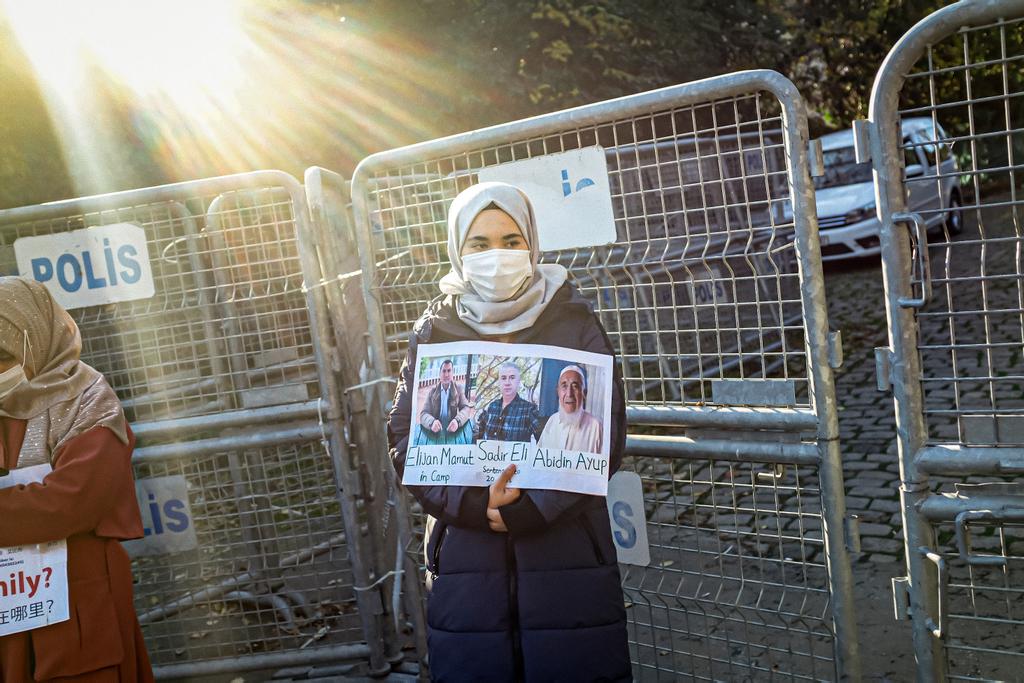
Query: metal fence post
368, 596
822, 386
907, 393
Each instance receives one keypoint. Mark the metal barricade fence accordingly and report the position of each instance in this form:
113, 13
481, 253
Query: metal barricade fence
955, 301
712, 293
387, 515
254, 553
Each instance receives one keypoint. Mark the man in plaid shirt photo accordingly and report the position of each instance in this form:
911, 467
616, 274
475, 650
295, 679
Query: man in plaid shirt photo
510, 417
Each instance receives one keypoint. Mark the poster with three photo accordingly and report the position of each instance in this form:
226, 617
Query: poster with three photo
479, 407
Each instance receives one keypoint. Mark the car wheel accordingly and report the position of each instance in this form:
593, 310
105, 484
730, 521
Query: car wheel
955, 215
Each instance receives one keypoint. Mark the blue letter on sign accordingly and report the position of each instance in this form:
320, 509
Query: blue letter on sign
621, 513
124, 257
42, 269
67, 263
177, 516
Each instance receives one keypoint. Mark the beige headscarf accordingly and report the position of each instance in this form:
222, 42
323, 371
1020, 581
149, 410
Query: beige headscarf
65, 397
522, 310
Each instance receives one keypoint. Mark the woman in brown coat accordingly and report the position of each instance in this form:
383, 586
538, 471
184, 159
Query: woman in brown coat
56, 409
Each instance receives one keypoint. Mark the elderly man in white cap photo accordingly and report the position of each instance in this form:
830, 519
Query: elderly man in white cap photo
572, 428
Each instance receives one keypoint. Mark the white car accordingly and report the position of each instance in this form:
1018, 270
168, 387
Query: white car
845, 194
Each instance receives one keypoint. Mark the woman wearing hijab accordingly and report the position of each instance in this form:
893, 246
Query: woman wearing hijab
524, 584
56, 410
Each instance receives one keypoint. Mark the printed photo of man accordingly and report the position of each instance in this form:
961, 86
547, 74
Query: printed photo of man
445, 408
572, 428
509, 417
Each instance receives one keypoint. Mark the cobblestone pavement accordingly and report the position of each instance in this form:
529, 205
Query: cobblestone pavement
866, 418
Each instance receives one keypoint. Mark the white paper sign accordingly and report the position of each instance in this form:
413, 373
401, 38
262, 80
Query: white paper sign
167, 524
629, 522
479, 407
33, 578
99, 265
570, 193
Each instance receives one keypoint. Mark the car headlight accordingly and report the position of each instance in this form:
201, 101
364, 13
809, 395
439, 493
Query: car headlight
862, 214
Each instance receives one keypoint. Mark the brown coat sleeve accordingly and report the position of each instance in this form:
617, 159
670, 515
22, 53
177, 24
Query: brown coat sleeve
90, 490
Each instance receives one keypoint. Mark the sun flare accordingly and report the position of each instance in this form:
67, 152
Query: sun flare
185, 49
160, 90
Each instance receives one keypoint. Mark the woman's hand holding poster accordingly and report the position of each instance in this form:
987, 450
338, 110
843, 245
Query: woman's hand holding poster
479, 407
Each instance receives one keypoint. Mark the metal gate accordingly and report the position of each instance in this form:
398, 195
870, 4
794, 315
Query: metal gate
712, 293
954, 285
255, 555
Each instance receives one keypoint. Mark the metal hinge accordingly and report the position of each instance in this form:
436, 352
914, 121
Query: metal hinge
1006, 512
921, 269
835, 349
776, 474
901, 597
862, 140
883, 368
940, 625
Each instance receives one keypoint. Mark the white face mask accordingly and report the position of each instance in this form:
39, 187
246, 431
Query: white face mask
497, 274
10, 379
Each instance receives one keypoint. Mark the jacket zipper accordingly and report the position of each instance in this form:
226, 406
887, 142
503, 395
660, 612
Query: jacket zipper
513, 598
435, 568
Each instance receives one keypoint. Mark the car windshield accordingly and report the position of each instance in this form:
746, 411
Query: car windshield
841, 168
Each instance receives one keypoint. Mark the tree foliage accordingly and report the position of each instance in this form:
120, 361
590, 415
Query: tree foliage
366, 75
488, 368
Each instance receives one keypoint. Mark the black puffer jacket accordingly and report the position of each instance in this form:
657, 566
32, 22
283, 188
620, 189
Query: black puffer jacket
542, 602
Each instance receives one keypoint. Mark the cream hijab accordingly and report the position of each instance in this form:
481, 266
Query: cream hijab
502, 317
67, 395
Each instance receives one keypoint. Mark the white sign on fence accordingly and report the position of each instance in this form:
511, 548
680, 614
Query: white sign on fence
544, 409
570, 194
33, 578
167, 524
629, 522
103, 264
707, 287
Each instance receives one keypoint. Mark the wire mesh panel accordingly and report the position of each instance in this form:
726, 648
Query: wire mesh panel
984, 602
969, 90
701, 281
219, 367
737, 588
270, 569
947, 144
226, 328
703, 298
